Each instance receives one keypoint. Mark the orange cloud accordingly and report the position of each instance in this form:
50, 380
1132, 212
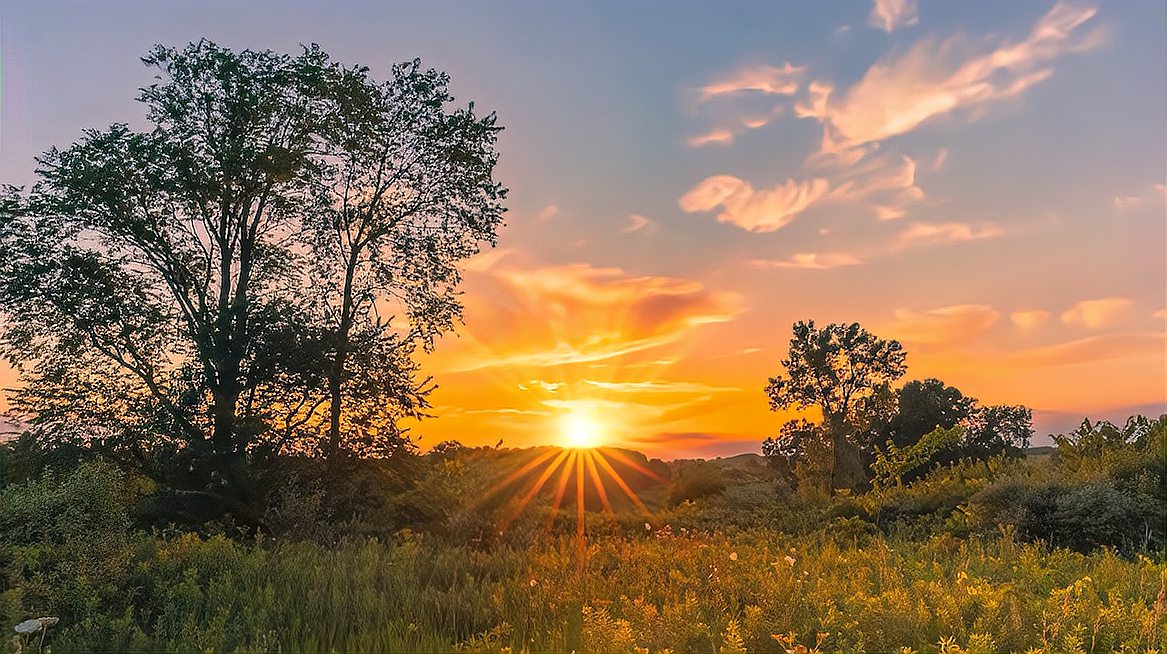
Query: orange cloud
934, 233
755, 210
769, 80
1093, 314
1028, 320
935, 78
1086, 350
888, 15
810, 261
948, 326
576, 313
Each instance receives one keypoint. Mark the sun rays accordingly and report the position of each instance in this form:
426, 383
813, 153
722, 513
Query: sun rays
587, 466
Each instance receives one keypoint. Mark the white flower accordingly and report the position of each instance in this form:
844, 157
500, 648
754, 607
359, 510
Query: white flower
35, 625
647, 527
790, 560
733, 556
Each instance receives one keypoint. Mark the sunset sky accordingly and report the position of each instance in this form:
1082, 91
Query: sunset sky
983, 181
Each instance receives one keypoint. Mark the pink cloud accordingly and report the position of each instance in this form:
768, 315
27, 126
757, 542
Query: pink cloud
935, 233
934, 78
888, 15
755, 210
716, 136
768, 80
810, 261
637, 223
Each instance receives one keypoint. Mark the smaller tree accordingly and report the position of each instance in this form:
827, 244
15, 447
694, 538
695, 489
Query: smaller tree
839, 370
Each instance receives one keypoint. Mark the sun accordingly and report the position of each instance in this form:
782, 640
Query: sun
579, 430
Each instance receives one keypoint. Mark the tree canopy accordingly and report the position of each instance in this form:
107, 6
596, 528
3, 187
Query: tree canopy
869, 428
222, 287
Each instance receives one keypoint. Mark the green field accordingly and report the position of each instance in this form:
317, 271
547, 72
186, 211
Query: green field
722, 559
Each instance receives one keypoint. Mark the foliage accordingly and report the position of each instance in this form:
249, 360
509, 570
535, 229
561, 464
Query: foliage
191, 298
695, 482
843, 371
896, 462
701, 592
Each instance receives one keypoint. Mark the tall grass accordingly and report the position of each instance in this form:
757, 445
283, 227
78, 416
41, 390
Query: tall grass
654, 591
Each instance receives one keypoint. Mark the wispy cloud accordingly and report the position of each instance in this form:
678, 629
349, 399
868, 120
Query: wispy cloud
547, 213
949, 232
1101, 312
1028, 320
1086, 350
937, 77
660, 387
715, 136
889, 15
944, 326
577, 313
766, 80
755, 210
810, 261
638, 223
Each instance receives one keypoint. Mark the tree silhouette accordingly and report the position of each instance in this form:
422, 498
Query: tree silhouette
170, 294
838, 369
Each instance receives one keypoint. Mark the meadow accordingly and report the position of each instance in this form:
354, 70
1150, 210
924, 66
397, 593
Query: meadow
746, 567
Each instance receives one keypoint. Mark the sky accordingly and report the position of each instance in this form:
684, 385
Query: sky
982, 181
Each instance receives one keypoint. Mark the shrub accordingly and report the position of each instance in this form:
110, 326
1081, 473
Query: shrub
695, 482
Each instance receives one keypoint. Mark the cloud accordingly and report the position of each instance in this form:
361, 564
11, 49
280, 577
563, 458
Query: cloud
576, 313
767, 80
485, 260
1028, 320
888, 15
937, 77
935, 233
1126, 201
1093, 314
810, 261
660, 387
941, 158
637, 223
953, 325
1087, 350
548, 212
716, 136
755, 210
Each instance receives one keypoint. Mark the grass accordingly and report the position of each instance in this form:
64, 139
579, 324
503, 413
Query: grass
653, 591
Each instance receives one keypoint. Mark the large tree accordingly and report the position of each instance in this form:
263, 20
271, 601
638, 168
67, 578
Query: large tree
409, 192
158, 289
842, 370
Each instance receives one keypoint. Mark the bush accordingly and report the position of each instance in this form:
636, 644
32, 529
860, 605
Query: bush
64, 543
696, 482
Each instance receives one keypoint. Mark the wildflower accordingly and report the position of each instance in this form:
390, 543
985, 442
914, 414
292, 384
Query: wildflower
533, 583
35, 625
790, 560
733, 556
647, 527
